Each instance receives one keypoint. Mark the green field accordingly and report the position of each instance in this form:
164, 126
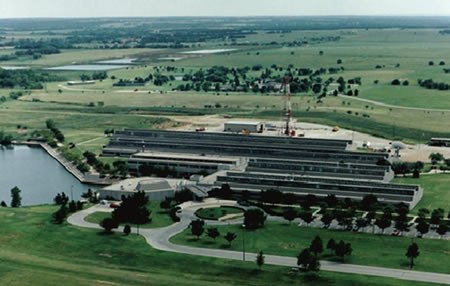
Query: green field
159, 217
436, 190
217, 213
36, 252
289, 240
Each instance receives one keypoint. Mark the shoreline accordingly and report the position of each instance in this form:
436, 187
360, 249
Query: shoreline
68, 166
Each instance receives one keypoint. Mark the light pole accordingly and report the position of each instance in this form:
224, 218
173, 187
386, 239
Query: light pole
243, 242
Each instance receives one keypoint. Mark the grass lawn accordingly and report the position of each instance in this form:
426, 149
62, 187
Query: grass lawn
36, 252
289, 240
218, 212
160, 217
436, 190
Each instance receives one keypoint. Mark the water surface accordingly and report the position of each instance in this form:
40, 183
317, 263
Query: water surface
37, 174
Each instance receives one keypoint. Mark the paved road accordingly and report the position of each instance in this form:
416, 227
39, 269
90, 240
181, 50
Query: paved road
159, 239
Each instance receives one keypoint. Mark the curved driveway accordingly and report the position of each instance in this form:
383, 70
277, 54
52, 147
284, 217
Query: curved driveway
158, 238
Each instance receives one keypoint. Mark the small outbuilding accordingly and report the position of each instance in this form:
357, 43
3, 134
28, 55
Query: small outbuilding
156, 189
244, 126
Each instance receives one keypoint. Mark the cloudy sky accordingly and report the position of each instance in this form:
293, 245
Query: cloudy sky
155, 8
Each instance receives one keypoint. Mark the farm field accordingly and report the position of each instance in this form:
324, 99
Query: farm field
360, 50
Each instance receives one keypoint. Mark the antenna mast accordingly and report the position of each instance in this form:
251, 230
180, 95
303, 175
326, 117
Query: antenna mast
288, 129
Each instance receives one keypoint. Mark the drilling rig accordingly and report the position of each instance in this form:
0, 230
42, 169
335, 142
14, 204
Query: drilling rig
288, 129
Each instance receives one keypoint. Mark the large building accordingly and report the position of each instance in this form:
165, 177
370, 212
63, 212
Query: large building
181, 163
322, 186
255, 162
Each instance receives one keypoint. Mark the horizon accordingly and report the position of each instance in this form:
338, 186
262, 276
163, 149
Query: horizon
230, 8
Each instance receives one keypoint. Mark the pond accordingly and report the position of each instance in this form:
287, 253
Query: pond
212, 51
123, 61
86, 67
38, 175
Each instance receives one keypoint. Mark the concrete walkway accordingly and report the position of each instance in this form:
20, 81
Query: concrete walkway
159, 239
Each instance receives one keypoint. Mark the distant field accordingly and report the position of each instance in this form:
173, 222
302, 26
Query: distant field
78, 56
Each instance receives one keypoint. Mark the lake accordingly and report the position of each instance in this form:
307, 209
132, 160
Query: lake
37, 174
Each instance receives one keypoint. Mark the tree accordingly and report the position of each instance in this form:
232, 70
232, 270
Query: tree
72, 206
303, 258
16, 199
260, 259
213, 232
127, 229
306, 217
422, 227
60, 214
331, 244
327, 218
423, 212
316, 246
368, 202
254, 218
385, 220
339, 61
197, 228
109, 224
383, 223
165, 204
342, 249
3, 204
271, 196
361, 222
307, 261
230, 236
395, 82
290, 214
133, 209
412, 252
442, 229
308, 201
436, 216
436, 157
331, 200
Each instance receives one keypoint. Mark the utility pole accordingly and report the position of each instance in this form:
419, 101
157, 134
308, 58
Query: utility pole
243, 242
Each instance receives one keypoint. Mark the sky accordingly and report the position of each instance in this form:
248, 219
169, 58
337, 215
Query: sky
158, 8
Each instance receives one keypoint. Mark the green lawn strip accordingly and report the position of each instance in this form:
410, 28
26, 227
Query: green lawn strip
368, 249
37, 252
217, 212
159, 217
436, 190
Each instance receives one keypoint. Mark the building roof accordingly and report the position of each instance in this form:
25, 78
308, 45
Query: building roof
183, 157
140, 184
243, 122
